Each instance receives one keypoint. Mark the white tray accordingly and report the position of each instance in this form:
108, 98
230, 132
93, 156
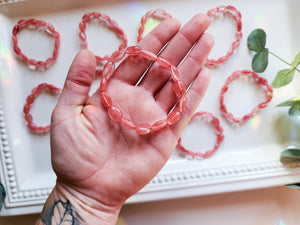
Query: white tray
247, 159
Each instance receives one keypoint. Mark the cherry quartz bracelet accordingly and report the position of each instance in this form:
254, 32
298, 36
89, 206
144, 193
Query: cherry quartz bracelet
30, 100
144, 128
33, 23
238, 35
259, 80
158, 14
214, 121
111, 24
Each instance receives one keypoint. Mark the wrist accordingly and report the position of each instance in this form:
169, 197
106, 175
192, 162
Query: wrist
65, 203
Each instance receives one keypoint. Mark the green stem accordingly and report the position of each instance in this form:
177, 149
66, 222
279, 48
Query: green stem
283, 60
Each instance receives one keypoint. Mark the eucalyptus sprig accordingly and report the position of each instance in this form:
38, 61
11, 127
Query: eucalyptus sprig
257, 42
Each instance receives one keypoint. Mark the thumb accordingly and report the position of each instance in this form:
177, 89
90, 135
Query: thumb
79, 80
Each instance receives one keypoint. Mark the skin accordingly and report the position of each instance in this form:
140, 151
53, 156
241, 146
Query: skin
99, 163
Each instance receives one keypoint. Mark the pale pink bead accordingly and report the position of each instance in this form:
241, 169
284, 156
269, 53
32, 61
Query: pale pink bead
163, 62
159, 125
143, 129
179, 88
108, 69
128, 124
173, 117
103, 84
133, 50
174, 73
148, 55
117, 56
105, 100
182, 103
115, 113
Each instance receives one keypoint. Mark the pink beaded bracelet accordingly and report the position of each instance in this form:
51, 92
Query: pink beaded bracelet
259, 80
238, 35
29, 101
49, 28
157, 14
116, 114
214, 121
111, 24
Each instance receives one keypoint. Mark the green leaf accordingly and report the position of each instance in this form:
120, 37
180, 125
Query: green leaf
295, 110
290, 102
2, 194
283, 77
257, 40
296, 60
294, 186
260, 61
290, 158
294, 114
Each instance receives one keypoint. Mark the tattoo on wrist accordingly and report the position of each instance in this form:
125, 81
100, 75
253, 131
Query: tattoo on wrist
61, 213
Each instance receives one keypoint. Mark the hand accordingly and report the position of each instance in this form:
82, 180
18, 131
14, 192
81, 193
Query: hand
97, 160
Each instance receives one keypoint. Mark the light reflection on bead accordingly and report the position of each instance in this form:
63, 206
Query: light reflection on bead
115, 113
143, 129
173, 117
159, 125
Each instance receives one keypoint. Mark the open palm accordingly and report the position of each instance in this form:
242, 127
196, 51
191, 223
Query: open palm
99, 157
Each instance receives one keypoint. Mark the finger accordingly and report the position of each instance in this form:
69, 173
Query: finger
194, 97
153, 42
175, 51
188, 70
79, 80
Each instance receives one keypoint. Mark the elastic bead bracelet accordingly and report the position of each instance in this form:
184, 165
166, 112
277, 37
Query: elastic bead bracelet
30, 100
33, 23
116, 114
259, 80
156, 14
232, 11
111, 24
214, 121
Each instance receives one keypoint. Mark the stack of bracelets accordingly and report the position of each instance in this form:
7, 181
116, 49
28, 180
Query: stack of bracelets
107, 73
